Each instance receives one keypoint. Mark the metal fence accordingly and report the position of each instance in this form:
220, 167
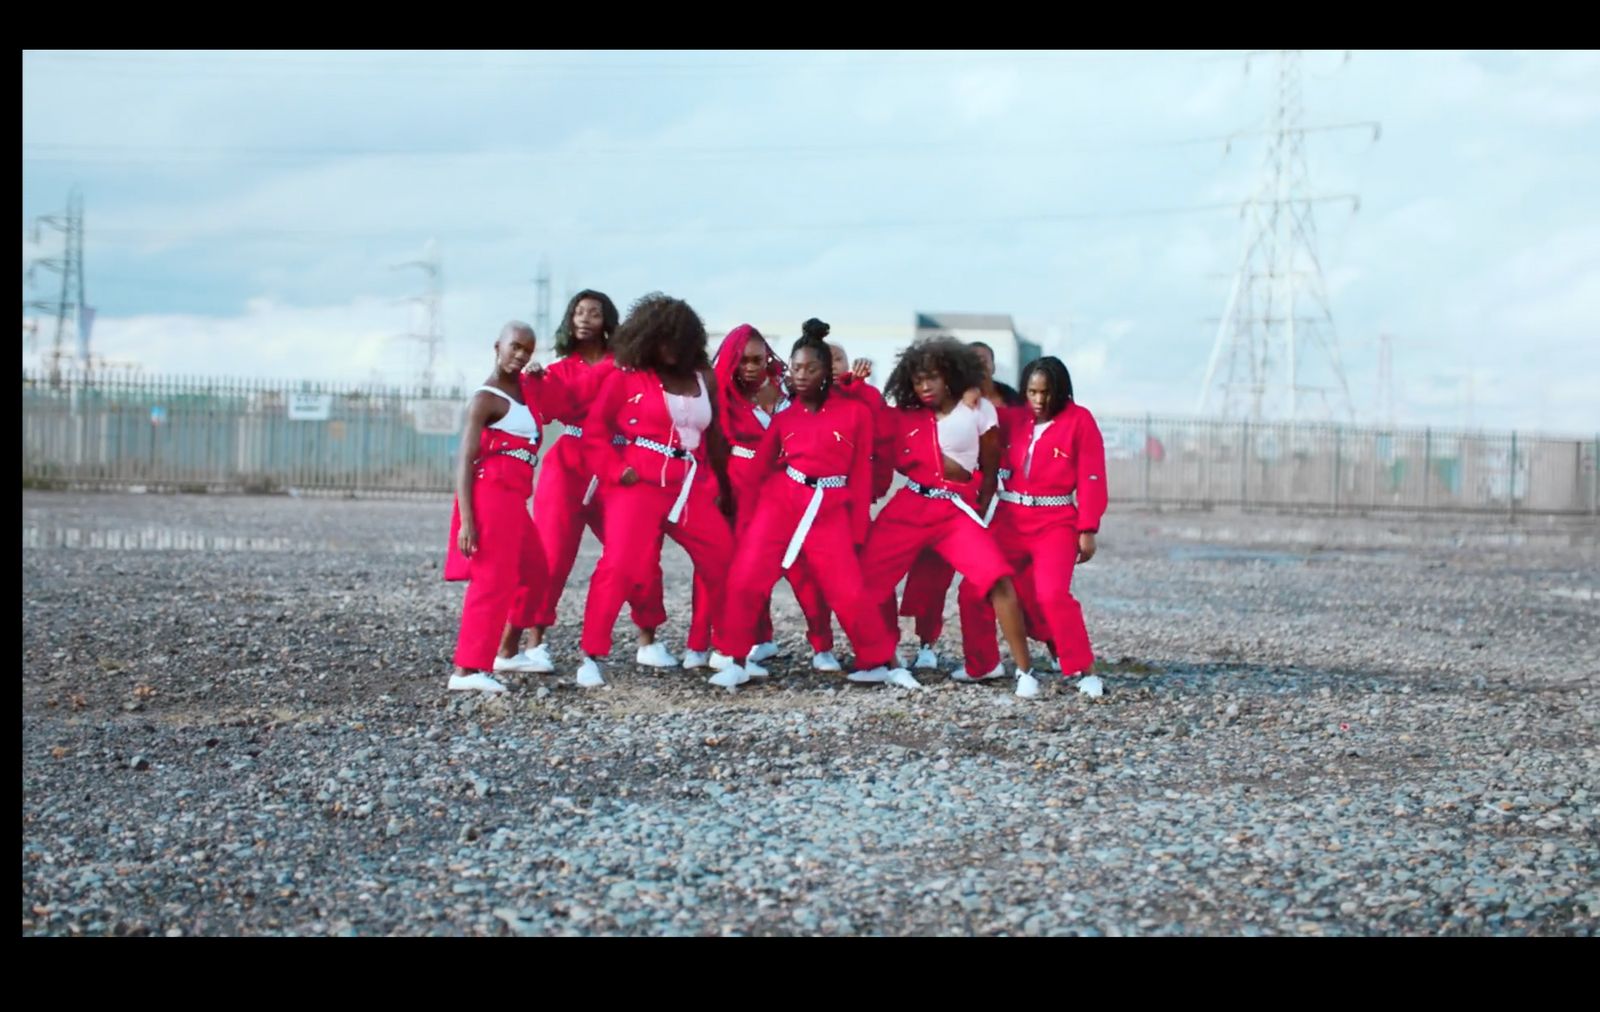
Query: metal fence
1345, 469
252, 435
266, 436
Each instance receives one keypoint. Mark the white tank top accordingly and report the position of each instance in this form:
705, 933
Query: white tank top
518, 420
691, 414
960, 429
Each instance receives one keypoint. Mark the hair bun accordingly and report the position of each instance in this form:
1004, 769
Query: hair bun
815, 328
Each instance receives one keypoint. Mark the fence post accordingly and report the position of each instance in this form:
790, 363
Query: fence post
1147, 458
1427, 462
1336, 433
1511, 482
1594, 478
1244, 463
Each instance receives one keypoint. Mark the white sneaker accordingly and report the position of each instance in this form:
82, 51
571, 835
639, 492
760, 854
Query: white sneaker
904, 679
1092, 686
825, 661
477, 680
1055, 662
656, 656
539, 657
1027, 685
926, 658
523, 661
873, 676
730, 676
962, 675
589, 674
763, 651
719, 660
755, 670
696, 659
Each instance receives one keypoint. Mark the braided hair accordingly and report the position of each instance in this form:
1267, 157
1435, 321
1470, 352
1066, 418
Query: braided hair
1056, 377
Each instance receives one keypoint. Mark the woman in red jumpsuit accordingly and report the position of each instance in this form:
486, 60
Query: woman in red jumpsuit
1049, 514
806, 495
493, 544
651, 440
565, 499
949, 454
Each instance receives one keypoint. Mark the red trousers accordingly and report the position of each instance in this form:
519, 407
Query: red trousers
927, 585
807, 593
828, 552
636, 518
910, 523
561, 515
507, 571
1045, 552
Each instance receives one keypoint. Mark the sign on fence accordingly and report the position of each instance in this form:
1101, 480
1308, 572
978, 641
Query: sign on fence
310, 407
435, 417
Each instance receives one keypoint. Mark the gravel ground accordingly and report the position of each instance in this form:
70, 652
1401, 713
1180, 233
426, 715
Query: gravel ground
234, 723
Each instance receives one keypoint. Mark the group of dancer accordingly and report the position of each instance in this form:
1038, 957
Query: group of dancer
764, 468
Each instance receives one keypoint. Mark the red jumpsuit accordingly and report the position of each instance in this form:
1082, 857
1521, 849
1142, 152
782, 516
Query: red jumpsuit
819, 617
1069, 460
818, 463
507, 572
632, 404
912, 521
744, 433
559, 507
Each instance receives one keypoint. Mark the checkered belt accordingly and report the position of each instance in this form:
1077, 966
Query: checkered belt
944, 493
576, 432
810, 515
676, 453
526, 456
1021, 499
743, 451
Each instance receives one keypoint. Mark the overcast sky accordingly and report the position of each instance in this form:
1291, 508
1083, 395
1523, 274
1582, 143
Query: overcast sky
245, 211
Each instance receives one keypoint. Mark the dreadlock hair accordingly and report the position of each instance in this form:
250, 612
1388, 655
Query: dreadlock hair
658, 321
1056, 377
950, 358
814, 335
566, 341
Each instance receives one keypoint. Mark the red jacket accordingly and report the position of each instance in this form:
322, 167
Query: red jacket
1070, 457
834, 440
633, 403
918, 455
884, 429
564, 394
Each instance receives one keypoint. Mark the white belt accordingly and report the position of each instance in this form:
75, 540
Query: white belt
743, 451
688, 479
809, 517
1020, 499
1001, 475
944, 493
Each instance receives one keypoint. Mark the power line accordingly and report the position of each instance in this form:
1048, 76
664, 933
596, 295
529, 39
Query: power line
504, 233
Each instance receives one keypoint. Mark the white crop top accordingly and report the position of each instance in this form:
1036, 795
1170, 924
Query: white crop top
518, 420
691, 414
960, 429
